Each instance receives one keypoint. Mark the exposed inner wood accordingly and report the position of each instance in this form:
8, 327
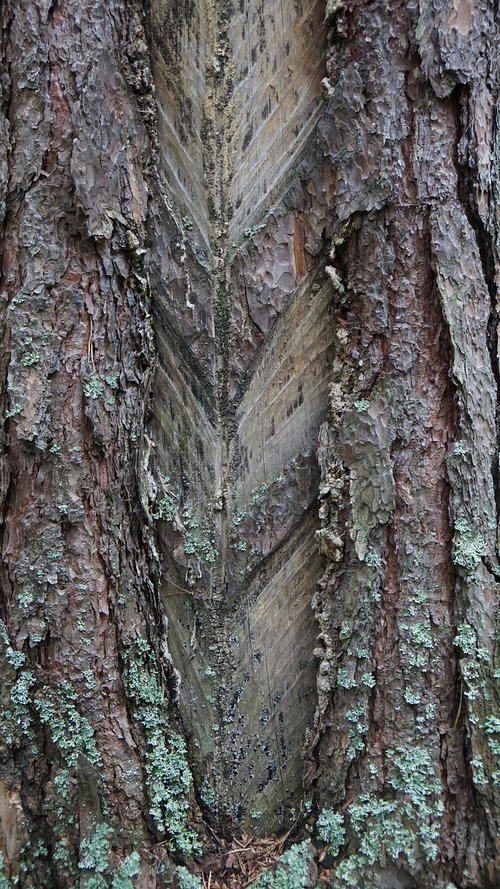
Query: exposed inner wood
236, 424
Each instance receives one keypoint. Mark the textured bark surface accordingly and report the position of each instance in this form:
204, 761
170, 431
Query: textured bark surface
79, 566
249, 477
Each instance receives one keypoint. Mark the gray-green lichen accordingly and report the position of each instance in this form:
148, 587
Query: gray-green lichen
95, 866
168, 778
403, 825
293, 870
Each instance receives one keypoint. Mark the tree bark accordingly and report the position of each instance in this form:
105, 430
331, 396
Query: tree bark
249, 480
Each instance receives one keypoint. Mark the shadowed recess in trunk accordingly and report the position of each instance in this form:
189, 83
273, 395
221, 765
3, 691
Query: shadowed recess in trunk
244, 333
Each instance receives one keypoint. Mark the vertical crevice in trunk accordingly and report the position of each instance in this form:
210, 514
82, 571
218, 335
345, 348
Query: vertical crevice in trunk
238, 487
484, 229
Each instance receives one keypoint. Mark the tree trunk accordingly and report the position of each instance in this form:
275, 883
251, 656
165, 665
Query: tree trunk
249, 479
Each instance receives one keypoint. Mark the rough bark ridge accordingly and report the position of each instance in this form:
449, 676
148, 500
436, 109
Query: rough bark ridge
405, 729
318, 259
87, 757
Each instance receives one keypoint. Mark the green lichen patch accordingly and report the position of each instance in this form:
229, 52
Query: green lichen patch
14, 410
5, 882
482, 695
16, 719
71, 732
469, 548
291, 872
167, 507
196, 533
473, 666
182, 879
361, 405
404, 828
93, 388
30, 359
168, 778
123, 877
331, 830
197, 539
95, 862
96, 850
14, 658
